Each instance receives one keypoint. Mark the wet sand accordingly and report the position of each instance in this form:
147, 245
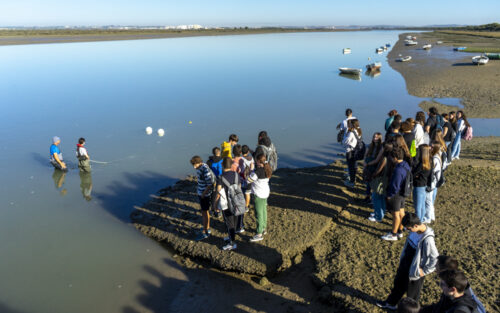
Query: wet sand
444, 73
8, 38
321, 253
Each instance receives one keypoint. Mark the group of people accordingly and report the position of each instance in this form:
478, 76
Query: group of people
226, 182
410, 160
56, 157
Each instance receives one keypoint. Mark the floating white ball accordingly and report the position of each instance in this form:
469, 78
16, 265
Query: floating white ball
160, 132
149, 130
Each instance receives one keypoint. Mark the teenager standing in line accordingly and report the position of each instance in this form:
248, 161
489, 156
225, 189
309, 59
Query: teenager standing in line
421, 172
350, 141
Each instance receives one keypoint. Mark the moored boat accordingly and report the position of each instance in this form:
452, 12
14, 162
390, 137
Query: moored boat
480, 59
379, 50
427, 47
350, 71
346, 50
438, 42
404, 59
387, 45
459, 48
411, 43
374, 66
493, 56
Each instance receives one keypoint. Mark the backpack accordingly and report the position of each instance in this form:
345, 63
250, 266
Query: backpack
467, 134
340, 135
413, 148
408, 187
439, 123
360, 149
271, 156
235, 198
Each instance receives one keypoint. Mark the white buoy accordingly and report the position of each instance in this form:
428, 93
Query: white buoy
149, 130
160, 132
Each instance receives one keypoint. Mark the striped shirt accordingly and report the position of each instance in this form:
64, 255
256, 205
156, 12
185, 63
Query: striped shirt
205, 179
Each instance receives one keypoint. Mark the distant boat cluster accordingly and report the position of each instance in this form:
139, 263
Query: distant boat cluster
373, 69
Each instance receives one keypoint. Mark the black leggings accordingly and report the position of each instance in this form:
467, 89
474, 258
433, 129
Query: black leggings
231, 222
351, 165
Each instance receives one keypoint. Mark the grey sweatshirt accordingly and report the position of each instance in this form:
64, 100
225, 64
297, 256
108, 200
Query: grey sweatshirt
425, 256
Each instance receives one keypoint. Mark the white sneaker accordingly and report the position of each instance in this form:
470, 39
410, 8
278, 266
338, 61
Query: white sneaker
372, 214
373, 219
257, 237
348, 184
229, 246
390, 237
400, 235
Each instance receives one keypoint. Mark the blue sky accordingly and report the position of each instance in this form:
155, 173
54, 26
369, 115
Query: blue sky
242, 13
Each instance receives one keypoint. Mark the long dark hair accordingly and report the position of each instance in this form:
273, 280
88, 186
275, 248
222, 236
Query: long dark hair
425, 156
355, 126
261, 158
375, 145
464, 118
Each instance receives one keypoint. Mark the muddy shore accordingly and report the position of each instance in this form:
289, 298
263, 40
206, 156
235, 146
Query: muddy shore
444, 73
321, 253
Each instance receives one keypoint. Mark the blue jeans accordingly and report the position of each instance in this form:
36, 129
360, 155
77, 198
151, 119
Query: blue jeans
456, 146
430, 199
378, 205
419, 194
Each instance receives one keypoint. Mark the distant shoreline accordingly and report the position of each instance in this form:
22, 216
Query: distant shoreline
27, 37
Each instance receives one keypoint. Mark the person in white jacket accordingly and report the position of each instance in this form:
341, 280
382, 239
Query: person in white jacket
350, 141
431, 191
419, 129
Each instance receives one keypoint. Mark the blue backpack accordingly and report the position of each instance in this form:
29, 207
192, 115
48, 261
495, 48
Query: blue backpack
216, 168
440, 122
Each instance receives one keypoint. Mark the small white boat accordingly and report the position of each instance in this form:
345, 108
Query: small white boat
404, 59
480, 60
379, 50
383, 48
409, 37
411, 43
374, 66
427, 47
350, 71
346, 50
438, 42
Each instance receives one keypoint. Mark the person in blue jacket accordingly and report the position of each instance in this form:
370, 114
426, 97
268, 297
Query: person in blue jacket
395, 201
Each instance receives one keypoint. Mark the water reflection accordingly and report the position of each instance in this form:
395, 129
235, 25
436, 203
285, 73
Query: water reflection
59, 177
86, 185
351, 76
373, 73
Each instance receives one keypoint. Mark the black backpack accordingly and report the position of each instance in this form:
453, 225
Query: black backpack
360, 149
408, 186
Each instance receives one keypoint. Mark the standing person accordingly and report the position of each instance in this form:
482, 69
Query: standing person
215, 162
409, 138
236, 167
462, 123
83, 156
418, 259
395, 194
350, 141
393, 130
371, 154
206, 180
390, 119
449, 263
438, 136
399, 141
221, 200
261, 191
434, 122
343, 126
56, 158
432, 184
454, 298
265, 146
421, 171
227, 146
378, 184
247, 166
449, 135
420, 137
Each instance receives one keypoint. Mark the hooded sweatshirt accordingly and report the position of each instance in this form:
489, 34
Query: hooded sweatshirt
463, 304
398, 179
446, 304
426, 255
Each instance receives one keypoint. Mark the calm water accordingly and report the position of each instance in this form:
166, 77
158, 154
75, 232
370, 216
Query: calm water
62, 252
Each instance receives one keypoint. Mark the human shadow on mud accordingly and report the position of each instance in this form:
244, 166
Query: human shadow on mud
120, 196
184, 223
204, 291
6, 309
